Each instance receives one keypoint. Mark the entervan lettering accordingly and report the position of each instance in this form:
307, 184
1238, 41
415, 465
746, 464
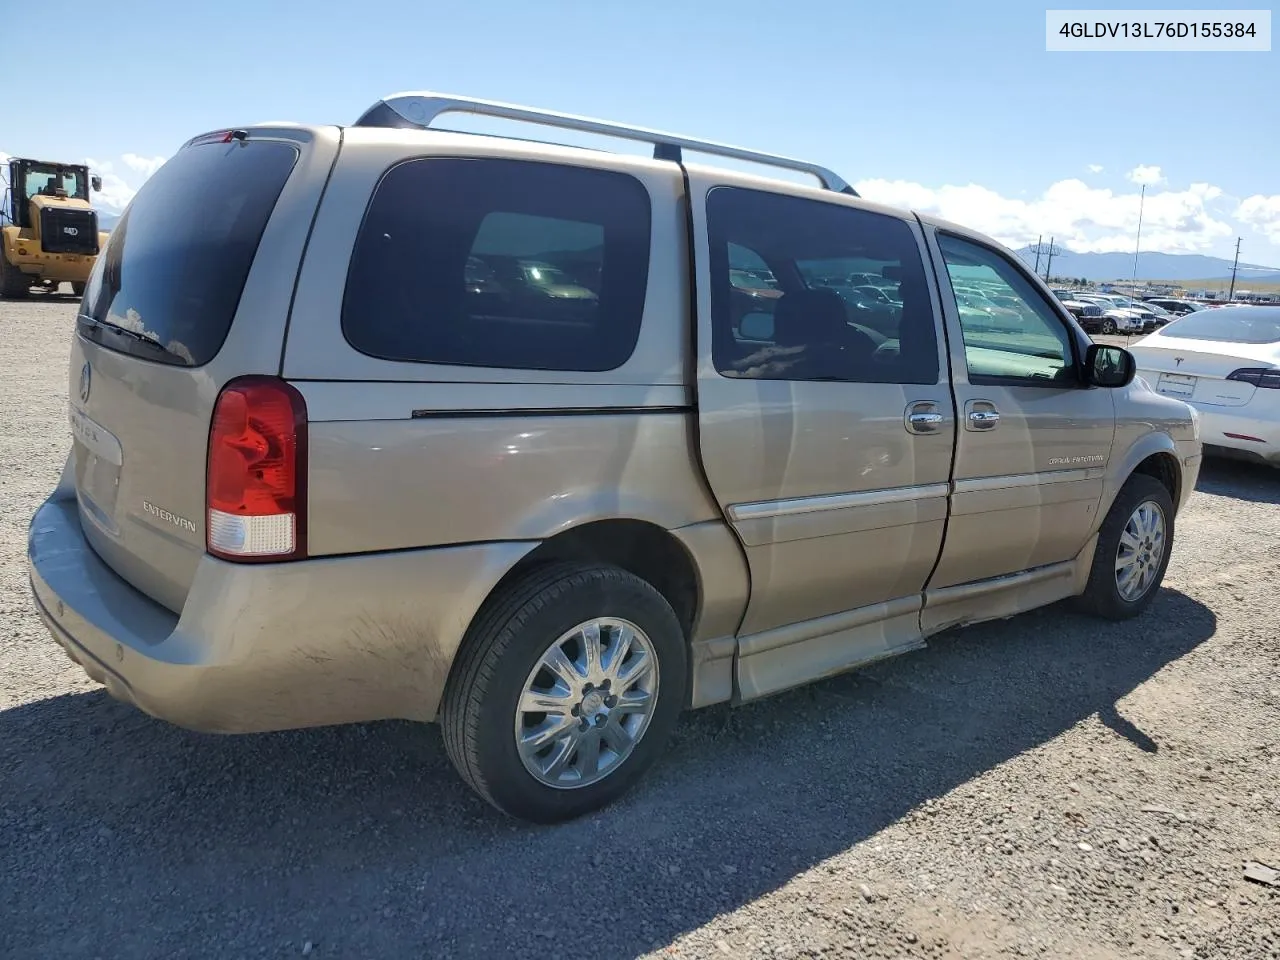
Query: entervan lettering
168, 517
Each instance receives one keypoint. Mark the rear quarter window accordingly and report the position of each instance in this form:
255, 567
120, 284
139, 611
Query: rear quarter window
500, 263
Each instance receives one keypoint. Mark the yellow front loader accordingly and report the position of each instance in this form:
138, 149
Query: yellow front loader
48, 227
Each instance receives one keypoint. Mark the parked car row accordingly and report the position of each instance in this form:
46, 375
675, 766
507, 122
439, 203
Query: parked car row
1175, 305
1113, 313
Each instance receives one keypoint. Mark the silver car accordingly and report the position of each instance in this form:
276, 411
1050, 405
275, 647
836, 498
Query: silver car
383, 421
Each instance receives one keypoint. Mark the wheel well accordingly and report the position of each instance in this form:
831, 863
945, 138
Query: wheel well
641, 548
1163, 467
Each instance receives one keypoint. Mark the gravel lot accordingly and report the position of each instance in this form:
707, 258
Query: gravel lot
1045, 786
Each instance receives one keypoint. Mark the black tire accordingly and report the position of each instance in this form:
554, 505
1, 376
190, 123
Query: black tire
77, 289
14, 284
1109, 326
508, 637
1102, 596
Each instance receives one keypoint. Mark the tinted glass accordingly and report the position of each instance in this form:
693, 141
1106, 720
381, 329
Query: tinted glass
46, 180
500, 263
176, 262
1229, 324
1010, 331
807, 290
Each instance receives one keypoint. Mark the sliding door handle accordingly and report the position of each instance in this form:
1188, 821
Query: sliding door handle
923, 417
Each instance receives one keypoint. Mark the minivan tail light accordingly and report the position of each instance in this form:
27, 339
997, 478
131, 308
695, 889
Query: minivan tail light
1266, 377
257, 468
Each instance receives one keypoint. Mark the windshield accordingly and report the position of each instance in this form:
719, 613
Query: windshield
47, 180
1239, 325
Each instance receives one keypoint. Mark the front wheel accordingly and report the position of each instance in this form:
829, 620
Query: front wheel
566, 690
1133, 548
1109, 326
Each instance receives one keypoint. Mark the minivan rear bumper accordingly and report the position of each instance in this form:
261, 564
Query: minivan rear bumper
262, 647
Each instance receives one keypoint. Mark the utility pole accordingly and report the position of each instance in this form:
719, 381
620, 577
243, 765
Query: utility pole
1232, 295
1049, 262
1050, 251
1039, 240
1138, 243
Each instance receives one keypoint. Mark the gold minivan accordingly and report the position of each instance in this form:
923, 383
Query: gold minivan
389, 421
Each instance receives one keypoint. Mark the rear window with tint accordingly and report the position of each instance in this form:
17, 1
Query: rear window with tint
500, 263
177, 261
1229, 324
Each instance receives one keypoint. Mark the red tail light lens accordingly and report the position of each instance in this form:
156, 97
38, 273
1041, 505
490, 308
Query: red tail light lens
256, 484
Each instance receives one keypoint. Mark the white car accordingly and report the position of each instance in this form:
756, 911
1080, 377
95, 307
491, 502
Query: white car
1226, 364
1122, 319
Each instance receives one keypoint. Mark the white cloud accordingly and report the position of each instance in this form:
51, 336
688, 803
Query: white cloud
1145, 175
1262, 213
1083, 218
143, 165
1095, 168
116, 192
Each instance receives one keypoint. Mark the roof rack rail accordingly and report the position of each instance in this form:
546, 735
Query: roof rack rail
417, 110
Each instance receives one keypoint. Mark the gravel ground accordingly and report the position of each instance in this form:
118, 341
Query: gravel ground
1045, 786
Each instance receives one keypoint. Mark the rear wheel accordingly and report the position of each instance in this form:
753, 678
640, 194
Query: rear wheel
1133, 551
14, 284
565, 692
1108, 326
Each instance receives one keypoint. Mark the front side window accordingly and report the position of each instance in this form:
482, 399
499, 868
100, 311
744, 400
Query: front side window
500, 263
1010, 331
807, 290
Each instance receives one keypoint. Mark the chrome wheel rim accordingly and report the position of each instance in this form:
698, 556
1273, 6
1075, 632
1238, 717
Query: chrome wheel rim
1141, 550
586, 703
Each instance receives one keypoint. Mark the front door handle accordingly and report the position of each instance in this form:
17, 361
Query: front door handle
981, 415
923, 417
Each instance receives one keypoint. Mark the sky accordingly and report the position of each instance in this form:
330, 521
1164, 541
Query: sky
947, 107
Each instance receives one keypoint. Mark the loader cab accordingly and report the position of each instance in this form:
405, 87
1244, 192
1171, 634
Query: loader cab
49, 203
55, 181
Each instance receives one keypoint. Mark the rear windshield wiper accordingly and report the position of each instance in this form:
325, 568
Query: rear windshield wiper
103, 326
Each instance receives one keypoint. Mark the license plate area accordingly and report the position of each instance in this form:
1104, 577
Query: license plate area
99, 458
1176, 385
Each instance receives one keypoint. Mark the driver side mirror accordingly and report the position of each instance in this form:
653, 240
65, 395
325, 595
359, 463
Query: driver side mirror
1108, 366
96, 182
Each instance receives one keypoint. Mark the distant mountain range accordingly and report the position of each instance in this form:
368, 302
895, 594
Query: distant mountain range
1151, 266
106, 219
